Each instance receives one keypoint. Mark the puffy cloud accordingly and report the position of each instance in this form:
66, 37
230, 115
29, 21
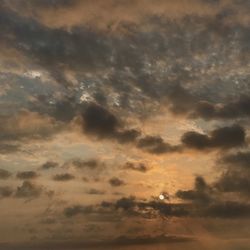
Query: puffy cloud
27, 175
90, 164
201, 193
77, 209
116, 182
6, 191
236, 160
4, 174
28, 190
141, 167
155, 145
224, 137
231, 110
228, 209
49, 165
63, 177
100, 122
234, 181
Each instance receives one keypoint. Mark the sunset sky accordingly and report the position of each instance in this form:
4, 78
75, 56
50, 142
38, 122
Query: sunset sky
125, 124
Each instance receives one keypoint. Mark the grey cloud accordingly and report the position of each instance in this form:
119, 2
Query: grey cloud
228, 209
94, 191
77, 209
234, 181
102, 123
49, 165
4, 174
91, 163
63, 177
6, 191
141, 167
237, 160
116, 182
224, 137
27, 175
201, 193
156, 145
28, 190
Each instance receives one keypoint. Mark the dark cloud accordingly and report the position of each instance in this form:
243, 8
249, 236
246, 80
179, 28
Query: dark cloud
228, 209
141, 167
116, 182
49, 165
94, 191
115, 242
5, 191
235, 175
224, 137
8, 148
77, 209
127, 136
28, 190
231, 110
63, 177
27, 175
237, 160
65, 109
4, 174
102, 123
181, 101
130, 206
148, 209
39, 4
155, 145
147, 240
234, 181
201, 193
208, 201
91, 163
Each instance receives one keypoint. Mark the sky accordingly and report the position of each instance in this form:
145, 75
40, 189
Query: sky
125, 124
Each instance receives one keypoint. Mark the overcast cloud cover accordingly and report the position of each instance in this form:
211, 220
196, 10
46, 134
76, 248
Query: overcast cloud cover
106, 105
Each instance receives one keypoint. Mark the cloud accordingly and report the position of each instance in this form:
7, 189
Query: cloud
234, 181
27, 125
116, 182
4, 174
49, 165
148, 209
155, 145
235, 177
103, 124
236, 160
224, 138
229, 209
27, 175
5, 191
90, 164
147, 240
94, 191
129, 207
28, 190
141, 167
8, 148
99, 121
231, 110
201, 193
76, 210
63, 177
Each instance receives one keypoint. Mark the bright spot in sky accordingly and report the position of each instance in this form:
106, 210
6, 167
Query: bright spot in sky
161, 197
